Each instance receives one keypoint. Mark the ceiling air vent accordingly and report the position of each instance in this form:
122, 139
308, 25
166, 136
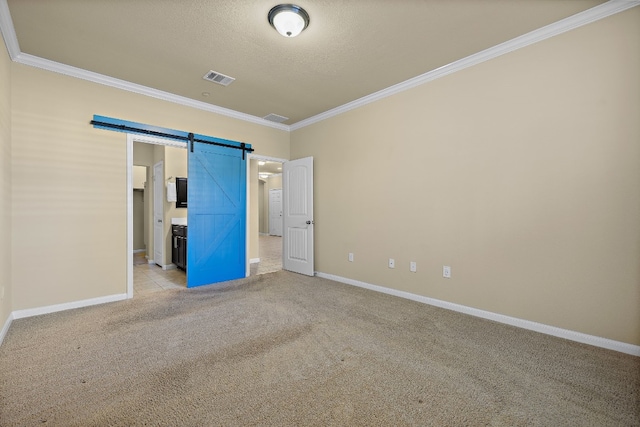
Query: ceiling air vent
221, 79
275, 118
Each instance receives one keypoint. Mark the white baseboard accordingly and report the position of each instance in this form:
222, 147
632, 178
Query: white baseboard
19, 314
137, 251
169, 267
513, 321
5, 327
254, 260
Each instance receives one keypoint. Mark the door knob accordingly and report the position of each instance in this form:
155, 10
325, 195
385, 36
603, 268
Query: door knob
309, 222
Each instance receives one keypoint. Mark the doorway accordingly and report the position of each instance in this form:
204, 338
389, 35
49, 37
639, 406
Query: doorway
252, 205
140, 214
266, 191
151, 269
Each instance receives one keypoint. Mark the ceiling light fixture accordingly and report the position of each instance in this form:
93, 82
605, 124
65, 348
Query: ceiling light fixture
288, 19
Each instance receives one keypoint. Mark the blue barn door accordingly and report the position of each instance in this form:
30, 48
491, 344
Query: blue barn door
216, 214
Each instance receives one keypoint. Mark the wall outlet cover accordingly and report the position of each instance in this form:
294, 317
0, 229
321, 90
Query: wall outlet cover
392, 263
446, 271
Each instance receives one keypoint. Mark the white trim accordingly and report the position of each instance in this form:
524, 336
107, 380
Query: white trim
252, 156
169, 267
19, 314
137, 251
8, 32
583, 18
130, 250
67, 70
5, 328
622, 347
156, 140
254, 260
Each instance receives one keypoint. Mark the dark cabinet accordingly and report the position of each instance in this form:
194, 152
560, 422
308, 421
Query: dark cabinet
179, 247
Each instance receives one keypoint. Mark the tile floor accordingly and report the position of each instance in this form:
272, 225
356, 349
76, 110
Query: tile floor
152, 278
270, 252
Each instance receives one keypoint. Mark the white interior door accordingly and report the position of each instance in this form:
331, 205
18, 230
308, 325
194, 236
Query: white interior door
297, 184
158, 213
275, 212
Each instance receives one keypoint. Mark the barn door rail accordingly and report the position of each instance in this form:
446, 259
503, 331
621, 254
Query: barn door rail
190, 138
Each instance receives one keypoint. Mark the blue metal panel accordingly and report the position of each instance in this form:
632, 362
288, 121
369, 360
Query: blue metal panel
216, 215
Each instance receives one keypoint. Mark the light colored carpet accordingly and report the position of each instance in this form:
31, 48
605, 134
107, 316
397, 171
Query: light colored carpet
281, 349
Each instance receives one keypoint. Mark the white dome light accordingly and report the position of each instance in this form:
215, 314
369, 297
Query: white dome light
288, 19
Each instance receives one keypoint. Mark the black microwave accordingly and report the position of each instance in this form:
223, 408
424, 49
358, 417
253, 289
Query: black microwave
181, 192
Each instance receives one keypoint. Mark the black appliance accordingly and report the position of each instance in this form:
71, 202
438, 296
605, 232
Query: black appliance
181, 192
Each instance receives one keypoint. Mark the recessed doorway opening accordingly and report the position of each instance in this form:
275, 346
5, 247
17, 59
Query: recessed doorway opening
266, 179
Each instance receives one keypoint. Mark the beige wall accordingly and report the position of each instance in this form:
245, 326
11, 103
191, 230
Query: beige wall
274, 182
521, 173
5, 185
70, 181
139, 176
138, 220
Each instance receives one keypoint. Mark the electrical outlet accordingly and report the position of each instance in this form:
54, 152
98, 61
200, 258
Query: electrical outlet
413, 267
446, 271
392, 263
350, 257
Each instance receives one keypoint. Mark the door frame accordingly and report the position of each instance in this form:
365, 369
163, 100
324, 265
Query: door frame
250, 157
131, 138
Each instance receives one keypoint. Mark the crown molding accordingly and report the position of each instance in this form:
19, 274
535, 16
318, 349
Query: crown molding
9, 34
56, 67
7, 30
583, 18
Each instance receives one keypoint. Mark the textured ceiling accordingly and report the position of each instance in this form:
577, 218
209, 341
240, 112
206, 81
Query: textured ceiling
350, 49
